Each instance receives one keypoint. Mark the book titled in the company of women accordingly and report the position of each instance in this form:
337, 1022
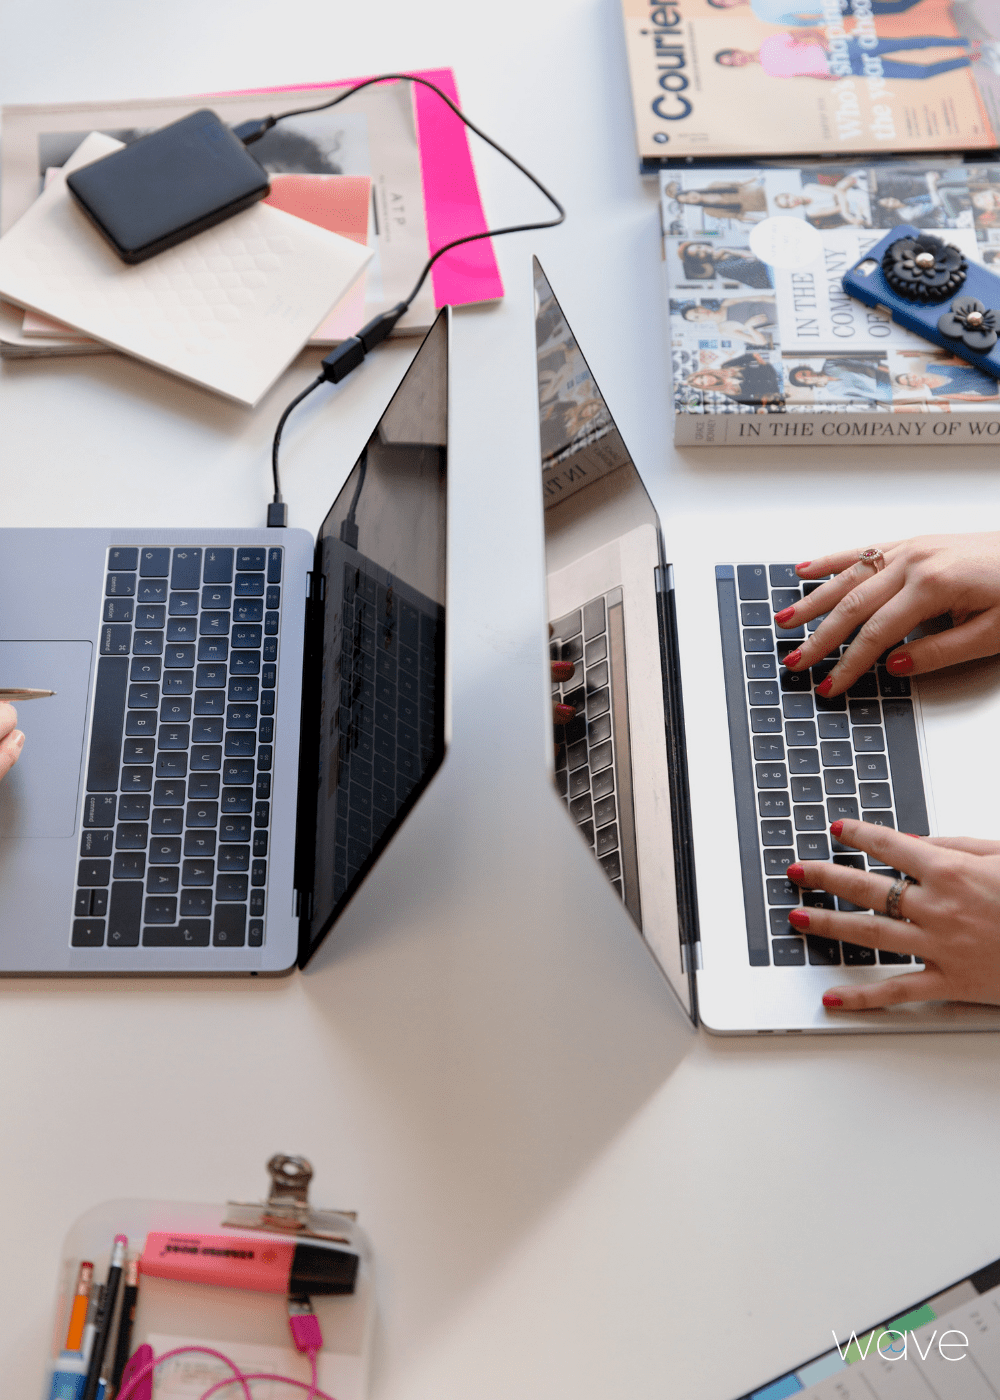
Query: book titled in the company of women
767, 348
756, 78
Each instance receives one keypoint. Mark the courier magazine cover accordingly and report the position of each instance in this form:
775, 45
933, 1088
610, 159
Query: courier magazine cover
821, 77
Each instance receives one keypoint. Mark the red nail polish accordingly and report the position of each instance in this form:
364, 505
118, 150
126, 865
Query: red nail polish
784, 616
798, 918
794, 657
900, 664
800, 567
564, 713
836, 828
825, 686
833, 1001
796, 873
915, 834
562, 670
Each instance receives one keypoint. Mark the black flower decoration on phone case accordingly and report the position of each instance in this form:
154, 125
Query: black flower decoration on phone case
969, 321
924, 268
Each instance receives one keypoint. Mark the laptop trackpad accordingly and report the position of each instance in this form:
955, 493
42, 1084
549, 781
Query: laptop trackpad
40, 796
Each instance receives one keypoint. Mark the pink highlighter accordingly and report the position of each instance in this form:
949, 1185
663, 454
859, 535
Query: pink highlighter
265, 1266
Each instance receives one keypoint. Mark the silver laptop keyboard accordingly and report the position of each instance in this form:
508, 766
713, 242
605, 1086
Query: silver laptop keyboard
801, 761
176, 808
593, 762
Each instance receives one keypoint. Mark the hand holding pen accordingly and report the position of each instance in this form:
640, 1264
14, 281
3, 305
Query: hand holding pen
11, 738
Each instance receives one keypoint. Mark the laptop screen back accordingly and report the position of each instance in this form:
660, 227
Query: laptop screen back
373, 730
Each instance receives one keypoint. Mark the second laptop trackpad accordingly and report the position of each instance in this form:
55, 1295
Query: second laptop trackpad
40, 796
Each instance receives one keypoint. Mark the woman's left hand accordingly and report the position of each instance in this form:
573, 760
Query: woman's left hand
953, 913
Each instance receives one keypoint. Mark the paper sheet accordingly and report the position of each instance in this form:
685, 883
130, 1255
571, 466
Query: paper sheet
228, 309
188, 1377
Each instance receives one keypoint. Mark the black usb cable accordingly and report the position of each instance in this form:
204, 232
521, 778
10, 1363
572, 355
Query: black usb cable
350, 353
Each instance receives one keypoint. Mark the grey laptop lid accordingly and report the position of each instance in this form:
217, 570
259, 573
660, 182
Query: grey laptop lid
374, 679
620, 762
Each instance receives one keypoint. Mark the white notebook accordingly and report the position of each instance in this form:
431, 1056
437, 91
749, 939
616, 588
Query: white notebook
228, 309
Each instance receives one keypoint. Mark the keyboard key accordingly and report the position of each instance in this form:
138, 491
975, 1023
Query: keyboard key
131, 836
198, 872
175, 709
250, 557
145, 669
241, 799
136, 778
856, 956
183, 605
834, 727
865, 714
838, 782
794, 680
120, 586
210, 702
261, 813
837, 755
807, 789
868, 740
872, 767
230, 888
831, 703
164, 850
182, 629
875, 794
788, 952
773, 804
174, 736
752, 581
168, 793
777, 861
116, 640
803, 760
783, 576
118, 609
255, 933
823, 952
252, 610
93, 872
238, 770
813, 847
249, 586
188, 933
755, 615
124, 915
154, 563
178, 654
210, 677
235, 829
782, 892
203, 785
217, 597
260, 843
842, 808
216, 624
809, 818
200, 844
607, 839
765, 722
796, 706
219, 566
776, 833
892, 686
768, 747
764, 693
771, 775
160, 910
760, 668
167, 821
151, 591
240, 744
243, 688
274, 566
245, 663
119, 558
214, 649
178, 683
230, 926
129, 865
234, 858
149, 615
755, 640
143, 697
800, 732
138, 723
186, 568
204, 814
87, 933
818, 899
241, 717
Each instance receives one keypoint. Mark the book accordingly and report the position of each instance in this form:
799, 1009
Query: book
401, 136
756, 78
228, 309
767, 348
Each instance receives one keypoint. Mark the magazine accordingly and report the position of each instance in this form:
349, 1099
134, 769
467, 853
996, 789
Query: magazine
766, 347
422, 180
756, 78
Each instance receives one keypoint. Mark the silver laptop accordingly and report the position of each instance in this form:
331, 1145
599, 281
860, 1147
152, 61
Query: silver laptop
242, 718
766, 764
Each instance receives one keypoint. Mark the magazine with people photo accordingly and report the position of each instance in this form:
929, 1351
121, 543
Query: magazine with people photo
767, 347
824, 77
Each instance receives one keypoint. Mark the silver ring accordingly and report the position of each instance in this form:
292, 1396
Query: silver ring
874, 557
895, 895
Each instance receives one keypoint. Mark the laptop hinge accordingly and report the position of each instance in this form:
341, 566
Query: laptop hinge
303, 904
317, 587
664, 578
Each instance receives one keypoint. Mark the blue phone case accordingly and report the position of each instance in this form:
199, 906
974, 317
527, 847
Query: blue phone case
872, 288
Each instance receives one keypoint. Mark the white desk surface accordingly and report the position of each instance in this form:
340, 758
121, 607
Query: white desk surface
570, 1193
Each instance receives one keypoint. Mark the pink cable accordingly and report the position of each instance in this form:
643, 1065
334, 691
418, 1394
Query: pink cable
151, 1366
237, 1378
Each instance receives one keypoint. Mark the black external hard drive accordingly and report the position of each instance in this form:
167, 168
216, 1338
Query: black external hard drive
168, 186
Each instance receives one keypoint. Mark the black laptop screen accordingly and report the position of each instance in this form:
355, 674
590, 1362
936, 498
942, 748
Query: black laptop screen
374, 712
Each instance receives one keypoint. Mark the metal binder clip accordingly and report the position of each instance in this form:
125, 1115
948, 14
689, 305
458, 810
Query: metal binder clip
287, 1210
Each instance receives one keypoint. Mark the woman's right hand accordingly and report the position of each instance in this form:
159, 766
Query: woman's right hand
922, 579
11, 738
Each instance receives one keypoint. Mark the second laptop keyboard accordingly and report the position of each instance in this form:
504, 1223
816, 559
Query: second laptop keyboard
176, 810
802, 761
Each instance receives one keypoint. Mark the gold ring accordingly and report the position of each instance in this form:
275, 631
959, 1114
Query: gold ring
874, 557
895, 895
